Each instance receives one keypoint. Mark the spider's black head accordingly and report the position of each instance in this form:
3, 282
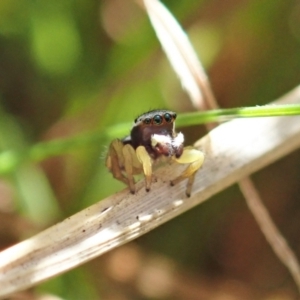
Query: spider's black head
155, 130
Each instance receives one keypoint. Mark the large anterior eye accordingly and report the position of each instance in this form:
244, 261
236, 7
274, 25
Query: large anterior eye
168, 118
157, 120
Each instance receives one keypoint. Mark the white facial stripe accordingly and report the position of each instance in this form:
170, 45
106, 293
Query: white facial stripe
166, 139
160, 139
178, 141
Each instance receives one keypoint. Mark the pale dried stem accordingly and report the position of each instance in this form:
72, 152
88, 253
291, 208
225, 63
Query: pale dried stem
272, 234
123, 217
174, 40
261, 215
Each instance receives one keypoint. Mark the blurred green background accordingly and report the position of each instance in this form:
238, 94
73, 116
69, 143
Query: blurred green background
75, 67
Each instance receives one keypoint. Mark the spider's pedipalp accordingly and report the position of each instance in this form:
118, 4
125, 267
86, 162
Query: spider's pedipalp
160, 139
178, 140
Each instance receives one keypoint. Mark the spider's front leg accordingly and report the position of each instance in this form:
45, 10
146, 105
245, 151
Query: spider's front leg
115, 160
146, 161
122, 160
132, 165
193, 157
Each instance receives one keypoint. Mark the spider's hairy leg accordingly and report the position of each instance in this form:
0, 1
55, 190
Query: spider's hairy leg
193, 157
115, 160
146, 162
131, 164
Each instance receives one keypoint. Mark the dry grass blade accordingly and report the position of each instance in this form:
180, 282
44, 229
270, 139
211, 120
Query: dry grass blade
272, 234
186, 64
123, 217
180, 53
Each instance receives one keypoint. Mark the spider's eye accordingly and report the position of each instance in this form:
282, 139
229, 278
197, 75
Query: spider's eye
157, 120
168, 118
174, 116
135, 120
147, 121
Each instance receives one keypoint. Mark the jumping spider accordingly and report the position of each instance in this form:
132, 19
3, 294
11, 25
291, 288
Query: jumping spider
152, 137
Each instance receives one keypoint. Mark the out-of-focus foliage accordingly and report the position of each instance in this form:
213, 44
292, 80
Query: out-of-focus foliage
71, 67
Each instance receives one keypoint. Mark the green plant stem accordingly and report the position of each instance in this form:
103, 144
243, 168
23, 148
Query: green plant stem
11, 159
221, 115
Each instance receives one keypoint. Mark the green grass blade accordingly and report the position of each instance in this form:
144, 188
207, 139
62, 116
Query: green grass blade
221, 115
44, 150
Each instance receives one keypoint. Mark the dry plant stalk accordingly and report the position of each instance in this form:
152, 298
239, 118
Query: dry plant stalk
123, 217
181, 54
193, 78
272, 234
